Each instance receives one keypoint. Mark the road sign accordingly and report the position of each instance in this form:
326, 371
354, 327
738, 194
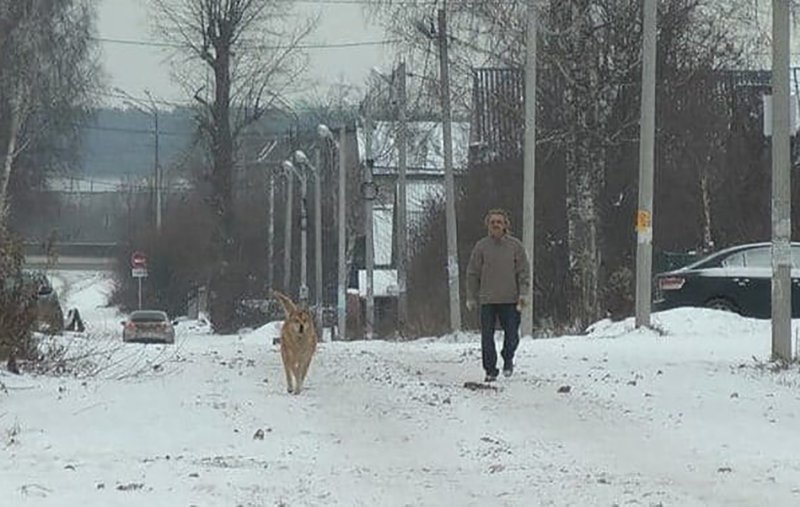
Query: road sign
138, 260
139, 272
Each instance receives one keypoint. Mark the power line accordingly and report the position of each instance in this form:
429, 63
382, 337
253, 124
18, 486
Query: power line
334, 45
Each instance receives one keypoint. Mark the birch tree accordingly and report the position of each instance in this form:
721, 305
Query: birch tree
239, 56
48, 70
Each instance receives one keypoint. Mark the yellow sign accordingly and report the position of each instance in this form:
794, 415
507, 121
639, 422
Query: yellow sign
643, 220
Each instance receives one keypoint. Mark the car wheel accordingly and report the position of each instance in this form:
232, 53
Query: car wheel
722, 304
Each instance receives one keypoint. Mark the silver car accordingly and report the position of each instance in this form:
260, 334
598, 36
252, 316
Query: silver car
148, 326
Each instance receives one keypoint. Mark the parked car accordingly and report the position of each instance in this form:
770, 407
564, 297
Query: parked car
736, 279
148, 326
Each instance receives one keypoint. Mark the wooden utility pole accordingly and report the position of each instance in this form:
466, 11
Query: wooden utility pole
402, 224
529, 162
644, 215
781, 186
449, 183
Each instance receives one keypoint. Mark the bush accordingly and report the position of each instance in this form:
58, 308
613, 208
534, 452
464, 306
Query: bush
17, 303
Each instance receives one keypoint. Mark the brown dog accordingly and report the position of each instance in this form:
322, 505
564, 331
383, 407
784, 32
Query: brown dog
298, 342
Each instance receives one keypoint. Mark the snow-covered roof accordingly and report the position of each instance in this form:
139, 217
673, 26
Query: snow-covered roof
425, 146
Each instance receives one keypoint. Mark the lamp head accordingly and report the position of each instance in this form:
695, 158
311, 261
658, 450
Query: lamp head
324, 131
300, 157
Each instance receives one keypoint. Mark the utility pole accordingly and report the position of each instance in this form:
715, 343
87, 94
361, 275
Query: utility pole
528, 210
781, 186
318, 237
341, 222
270, 228
368, 191
402, 225
157, 168
287, 234
644, 222
450, 194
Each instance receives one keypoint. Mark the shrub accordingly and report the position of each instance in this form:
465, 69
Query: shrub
17, 303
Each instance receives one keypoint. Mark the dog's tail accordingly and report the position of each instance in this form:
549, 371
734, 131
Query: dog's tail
288, 305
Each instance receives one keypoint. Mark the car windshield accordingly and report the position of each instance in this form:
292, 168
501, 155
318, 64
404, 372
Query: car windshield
148, 316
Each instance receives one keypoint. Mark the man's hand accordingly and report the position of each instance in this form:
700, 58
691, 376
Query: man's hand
521, 303
471, 304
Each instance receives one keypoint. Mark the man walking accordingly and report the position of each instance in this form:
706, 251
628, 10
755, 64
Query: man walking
498, 277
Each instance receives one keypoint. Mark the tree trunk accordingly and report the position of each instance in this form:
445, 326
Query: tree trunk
8, 163
224, 284
584, 169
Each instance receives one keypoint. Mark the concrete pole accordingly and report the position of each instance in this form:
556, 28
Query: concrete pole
318, 237
303, 235
528, 212
644, 228
157, 169
402, 202
368, 224
781, 186
341, 222
287, 234
450, 195
270, 229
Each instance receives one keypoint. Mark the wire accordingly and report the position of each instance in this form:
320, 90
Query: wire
173, 45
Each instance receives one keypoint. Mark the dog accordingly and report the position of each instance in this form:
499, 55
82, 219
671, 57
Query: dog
298, 342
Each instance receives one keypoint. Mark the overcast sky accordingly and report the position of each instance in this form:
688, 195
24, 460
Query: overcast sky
135, 68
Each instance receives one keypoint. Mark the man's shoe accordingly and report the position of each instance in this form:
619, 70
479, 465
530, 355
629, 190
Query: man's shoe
507, 371
490, 377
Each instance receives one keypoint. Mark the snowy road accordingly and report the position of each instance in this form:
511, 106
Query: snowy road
689, 418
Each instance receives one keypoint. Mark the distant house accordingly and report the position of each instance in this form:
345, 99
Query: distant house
425, 181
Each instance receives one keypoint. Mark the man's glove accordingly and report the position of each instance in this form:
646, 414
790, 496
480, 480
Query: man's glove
471, 305
521, 303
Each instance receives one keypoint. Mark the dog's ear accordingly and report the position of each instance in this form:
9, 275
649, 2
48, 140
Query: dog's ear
288, 305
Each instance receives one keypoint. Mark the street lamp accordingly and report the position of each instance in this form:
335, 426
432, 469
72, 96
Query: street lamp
288, 170
262, 156
303, 177
149, 109
301, 158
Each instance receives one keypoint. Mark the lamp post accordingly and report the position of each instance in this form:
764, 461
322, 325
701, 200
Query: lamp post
301, 158
262, 156
301, 175
287, 230
152, 110
341, 226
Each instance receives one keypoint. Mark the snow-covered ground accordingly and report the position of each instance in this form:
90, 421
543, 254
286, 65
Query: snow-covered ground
693, 415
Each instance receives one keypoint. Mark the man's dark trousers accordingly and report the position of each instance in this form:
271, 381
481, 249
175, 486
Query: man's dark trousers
509, 319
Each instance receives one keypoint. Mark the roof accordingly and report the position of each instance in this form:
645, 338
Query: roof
425, 150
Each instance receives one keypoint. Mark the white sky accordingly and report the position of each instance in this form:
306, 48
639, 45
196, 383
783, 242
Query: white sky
691, 416
136, 68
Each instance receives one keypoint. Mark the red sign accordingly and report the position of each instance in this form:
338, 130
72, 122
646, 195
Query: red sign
138, 260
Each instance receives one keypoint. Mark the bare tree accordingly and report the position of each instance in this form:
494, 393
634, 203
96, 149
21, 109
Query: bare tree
249, 52
48, 69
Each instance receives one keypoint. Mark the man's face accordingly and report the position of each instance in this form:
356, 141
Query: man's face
497, 225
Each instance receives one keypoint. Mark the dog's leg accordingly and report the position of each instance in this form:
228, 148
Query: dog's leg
286, 368
303, 371
299, 374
